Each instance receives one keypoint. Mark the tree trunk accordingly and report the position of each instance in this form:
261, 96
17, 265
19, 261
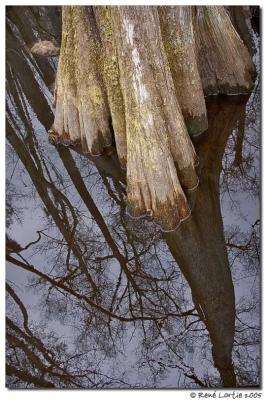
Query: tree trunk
127, 77
223, 60
240, 17
155, 129
199, 245
179, 42
206, 266
111, 76
82, 111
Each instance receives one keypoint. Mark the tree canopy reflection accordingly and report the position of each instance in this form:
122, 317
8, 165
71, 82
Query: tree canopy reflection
121, 304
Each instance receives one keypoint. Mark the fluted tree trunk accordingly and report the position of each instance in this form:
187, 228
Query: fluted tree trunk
206, 266
179, 41
135, 77
224, 63
241, 19
82, 110
155, 129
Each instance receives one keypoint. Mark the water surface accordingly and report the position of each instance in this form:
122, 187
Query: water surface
96, 299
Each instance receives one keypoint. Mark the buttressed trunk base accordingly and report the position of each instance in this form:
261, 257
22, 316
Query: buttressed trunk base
135, 78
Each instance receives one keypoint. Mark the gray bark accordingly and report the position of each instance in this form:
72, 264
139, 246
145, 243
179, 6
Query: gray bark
155, 129
223, 60
179, 43
141, 71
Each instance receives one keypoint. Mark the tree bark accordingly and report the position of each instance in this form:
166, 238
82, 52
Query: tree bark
223, 60
179, 42
206, 266
82, 110
240, 17
111, 76
127, 69
155, 129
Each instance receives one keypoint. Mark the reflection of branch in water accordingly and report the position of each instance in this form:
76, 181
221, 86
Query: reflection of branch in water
74, 173
239, 142
58, 284
18, 68
42, 186
31, 361
241, 159
210, 200
146, 288
31, 24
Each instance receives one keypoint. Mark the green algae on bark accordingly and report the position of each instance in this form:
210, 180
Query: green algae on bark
111, 76
134, 77
179, 43
82, 109
155, 129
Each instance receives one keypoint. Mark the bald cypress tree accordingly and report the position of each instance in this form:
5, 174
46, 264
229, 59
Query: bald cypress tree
135, 78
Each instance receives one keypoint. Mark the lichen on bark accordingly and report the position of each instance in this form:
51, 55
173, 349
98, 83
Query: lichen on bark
178, 37
134, 77
111, 76
82, 111
155, 129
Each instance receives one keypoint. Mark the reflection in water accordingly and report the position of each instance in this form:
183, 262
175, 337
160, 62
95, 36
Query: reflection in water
96, 299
